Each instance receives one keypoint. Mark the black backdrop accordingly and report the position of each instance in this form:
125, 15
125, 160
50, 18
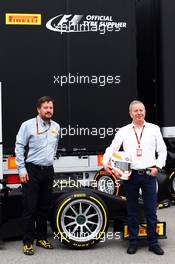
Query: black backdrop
156, 64
166, 62
30, 56
156, 58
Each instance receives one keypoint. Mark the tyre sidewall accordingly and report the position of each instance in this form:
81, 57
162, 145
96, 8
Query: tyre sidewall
67, 199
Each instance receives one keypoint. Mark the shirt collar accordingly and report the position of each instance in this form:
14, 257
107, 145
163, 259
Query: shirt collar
145, 124
41, 121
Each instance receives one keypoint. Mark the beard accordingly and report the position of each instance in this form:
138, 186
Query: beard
47, 116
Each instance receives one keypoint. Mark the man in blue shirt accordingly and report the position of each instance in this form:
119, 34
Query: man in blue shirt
36, 146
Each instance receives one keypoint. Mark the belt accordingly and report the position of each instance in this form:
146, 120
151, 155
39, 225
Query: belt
41, 167
141, 171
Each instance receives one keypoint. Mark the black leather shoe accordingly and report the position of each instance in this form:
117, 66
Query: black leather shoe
132, 249
156, 249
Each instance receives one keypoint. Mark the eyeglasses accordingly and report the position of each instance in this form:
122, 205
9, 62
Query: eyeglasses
37, 128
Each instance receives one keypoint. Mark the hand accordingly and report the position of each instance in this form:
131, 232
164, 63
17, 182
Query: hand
108, 169
153, 172
117, 173
24, 178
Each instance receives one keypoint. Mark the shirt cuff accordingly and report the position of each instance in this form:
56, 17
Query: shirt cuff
22, 171
159, 165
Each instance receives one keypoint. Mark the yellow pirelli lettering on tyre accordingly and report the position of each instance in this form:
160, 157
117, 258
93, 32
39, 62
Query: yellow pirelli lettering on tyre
171, 175
105, 217
81, 245
79, 195
171, 183
57, 222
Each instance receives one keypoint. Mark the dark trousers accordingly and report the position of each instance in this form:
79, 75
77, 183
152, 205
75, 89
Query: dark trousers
148, 186
36, 200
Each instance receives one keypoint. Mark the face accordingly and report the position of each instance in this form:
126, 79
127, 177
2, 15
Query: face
138, 113
46, 110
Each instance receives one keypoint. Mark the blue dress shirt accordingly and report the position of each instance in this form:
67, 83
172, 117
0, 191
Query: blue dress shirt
42, 142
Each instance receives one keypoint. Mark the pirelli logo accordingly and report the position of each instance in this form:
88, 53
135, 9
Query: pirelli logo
23, 19
160, 230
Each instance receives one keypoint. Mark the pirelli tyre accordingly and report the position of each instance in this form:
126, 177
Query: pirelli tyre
80, 219
105, 182
172, 184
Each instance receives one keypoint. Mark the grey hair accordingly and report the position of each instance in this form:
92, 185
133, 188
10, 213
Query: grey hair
133, 103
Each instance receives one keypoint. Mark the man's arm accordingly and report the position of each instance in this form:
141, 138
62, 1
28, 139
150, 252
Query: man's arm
21, 141
114, 147
58, 137
161, 150
162, 153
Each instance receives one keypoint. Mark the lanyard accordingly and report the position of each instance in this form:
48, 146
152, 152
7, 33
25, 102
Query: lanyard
37, 128
138, 139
